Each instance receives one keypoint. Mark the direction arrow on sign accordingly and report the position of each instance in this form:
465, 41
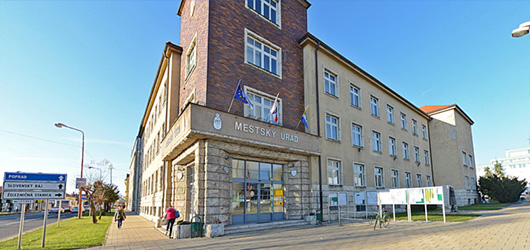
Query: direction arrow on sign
17, 185
8, 195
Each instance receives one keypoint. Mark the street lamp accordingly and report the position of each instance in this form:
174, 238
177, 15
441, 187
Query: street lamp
100, 175
522, 30
80, 205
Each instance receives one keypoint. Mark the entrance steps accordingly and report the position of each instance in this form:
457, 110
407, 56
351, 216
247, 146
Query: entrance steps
260, 227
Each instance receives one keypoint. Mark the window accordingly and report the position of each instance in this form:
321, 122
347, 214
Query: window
262, 55
330, 83
191, 57
406, 153
416, 154
379, 180
332, 127
355, 96
414, 127
192, 7
376, 141
374, 106
426, 157
470, 159
395, 178
408, 180
392, 149
418, 180
403, 121
360, 175
473, 184
466, 182
262, 108
334, 172
429, 181
464, 158
357, 135
424, 131
389, 114
267, 8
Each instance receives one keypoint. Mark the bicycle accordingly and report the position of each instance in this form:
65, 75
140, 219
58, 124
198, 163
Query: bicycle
382, 218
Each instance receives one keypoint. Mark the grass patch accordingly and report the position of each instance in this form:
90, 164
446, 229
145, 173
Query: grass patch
72, 233
436, 217
485, 206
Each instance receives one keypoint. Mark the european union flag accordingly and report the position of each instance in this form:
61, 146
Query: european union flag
240, 95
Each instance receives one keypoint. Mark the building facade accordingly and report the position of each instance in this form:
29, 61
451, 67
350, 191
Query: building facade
207, 154
515, 163
453, 154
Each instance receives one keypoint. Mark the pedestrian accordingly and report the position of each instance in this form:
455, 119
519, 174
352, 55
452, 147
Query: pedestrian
171, 216
119, 215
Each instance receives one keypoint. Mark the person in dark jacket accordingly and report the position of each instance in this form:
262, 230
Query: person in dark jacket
119, 215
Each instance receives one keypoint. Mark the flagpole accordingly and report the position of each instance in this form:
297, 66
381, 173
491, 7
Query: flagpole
275, 102
301, 117
233, 96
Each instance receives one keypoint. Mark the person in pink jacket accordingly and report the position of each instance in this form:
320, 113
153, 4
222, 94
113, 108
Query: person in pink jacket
171, 215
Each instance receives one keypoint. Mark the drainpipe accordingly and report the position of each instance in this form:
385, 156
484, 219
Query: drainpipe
430, 154
318, 133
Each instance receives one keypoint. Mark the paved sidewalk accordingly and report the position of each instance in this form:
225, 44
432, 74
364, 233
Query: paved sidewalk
507, 228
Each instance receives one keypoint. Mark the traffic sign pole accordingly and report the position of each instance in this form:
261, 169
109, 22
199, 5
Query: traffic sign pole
59, 213
44, 226
21, 226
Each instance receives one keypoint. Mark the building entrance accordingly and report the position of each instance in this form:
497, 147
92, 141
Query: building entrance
257, 192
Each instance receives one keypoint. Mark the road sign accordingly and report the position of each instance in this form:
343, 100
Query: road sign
34, 185
32, 194
19, 176
23, 201
80, 182
25, 186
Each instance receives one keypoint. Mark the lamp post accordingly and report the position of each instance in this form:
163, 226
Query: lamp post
80, 205
522, 30
100, 175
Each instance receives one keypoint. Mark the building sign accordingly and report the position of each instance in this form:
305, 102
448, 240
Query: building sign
264, 132
29, 186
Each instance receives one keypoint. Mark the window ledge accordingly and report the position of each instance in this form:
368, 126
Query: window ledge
404, 129
331, 95
264, 70
376, 116
333, 140
377, 152
363, 186
391, 123
357, 107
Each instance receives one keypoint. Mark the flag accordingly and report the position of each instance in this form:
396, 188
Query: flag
274, 109
304, 118
240, 95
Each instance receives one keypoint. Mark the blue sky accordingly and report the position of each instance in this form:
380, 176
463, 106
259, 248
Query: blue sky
91, 64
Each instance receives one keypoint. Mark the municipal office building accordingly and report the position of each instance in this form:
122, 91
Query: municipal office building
230, 162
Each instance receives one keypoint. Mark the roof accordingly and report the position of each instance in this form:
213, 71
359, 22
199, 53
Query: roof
310, 37
436, 109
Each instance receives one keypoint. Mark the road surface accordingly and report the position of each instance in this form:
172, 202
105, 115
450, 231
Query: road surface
9, 223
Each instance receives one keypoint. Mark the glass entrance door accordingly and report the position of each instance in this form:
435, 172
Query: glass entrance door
258, 196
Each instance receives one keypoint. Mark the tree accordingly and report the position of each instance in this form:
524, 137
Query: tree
91, 190
500, 187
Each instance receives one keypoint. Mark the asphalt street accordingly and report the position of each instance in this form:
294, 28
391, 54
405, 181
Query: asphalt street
9, 223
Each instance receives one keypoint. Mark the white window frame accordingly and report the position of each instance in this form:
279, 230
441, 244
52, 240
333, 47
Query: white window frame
390, 114
331, 125
464, 158
361, 172
332, 168
414, 127
264, 43
466, 182
191, 56
426, 157
424, 131
473, 183
192, 7
408, 180
355, 96
417, 154
428, 181
328, 82
374, 105
419, 180
377, 146
406, 150
262, 9
264, 110
392, 146
403, 120
394, 173
355, 134
379, 182
470, 161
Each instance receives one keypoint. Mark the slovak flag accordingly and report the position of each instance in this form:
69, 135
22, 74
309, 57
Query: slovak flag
274, 109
